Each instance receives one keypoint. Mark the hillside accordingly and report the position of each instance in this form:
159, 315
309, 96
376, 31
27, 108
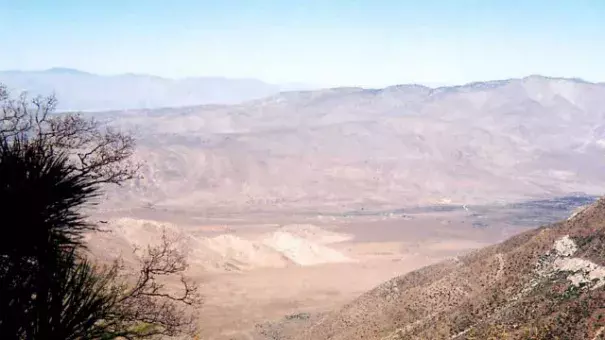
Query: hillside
85, 91
351, 149
223, 251
547, 283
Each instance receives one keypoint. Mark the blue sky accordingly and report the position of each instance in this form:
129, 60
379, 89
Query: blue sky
324, 42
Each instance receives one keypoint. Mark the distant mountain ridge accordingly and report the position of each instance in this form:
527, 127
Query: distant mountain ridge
83, 91
79, 90
343, 149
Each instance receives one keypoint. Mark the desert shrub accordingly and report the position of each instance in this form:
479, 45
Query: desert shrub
51, 167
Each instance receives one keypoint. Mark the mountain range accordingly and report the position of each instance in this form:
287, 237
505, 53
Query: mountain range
348, 150
352, 149
83, 91
258, 148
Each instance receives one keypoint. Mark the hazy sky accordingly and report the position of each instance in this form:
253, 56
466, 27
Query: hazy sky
327, 42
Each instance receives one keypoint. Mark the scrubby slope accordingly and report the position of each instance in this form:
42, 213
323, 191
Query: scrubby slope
349, 149
544, 284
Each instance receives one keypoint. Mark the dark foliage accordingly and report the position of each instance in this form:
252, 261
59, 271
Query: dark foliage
101, 153
39, 201
51, 167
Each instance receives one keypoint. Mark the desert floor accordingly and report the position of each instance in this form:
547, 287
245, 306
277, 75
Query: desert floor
237, 302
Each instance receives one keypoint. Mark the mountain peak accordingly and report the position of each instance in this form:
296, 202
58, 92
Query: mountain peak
538, 77
64, 70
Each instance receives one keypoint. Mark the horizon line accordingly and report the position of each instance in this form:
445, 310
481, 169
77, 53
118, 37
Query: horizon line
437, 85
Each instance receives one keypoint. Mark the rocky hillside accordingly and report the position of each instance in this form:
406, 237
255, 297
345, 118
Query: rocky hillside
353, 149
547, 283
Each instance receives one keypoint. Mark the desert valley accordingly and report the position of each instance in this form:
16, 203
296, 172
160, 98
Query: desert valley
302, 170
351, 213
291, 206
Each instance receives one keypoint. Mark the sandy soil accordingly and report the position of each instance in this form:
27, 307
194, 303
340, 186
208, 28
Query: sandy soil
255, 272
236, 302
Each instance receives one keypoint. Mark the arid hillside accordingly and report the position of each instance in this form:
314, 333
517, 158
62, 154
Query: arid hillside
547, 283
303, 201
352, 149
222, 251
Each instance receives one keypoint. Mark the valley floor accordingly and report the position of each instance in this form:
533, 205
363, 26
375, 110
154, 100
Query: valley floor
239, 305
264, 278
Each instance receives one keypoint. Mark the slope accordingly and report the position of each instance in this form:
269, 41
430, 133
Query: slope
348, 149
291, 245
547, 283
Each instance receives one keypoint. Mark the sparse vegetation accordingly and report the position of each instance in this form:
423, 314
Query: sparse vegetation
538, 285
51, 167
298, 316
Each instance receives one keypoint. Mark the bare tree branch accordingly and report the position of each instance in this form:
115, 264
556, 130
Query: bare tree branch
101, 153
148, 308
52, 164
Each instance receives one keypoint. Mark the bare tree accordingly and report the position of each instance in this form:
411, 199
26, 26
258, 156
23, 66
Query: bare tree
88, 301
148, 307
99, 152
102, 302
50, 166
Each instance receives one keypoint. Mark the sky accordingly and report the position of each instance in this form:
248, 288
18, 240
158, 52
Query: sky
368, 43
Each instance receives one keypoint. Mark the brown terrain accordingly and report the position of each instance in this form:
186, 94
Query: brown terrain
309, 215
254, 274
270, 281
546, 283
353, 149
